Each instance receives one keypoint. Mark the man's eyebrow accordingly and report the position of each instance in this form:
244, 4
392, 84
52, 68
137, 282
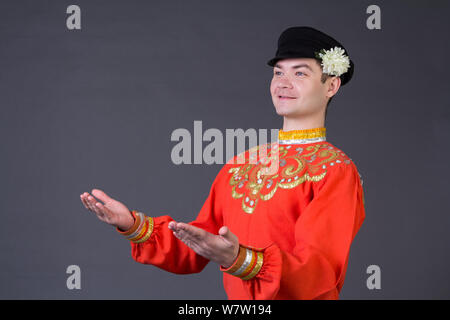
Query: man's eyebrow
304, 65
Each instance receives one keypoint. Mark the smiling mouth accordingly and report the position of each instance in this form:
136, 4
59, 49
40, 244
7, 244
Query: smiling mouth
285, 97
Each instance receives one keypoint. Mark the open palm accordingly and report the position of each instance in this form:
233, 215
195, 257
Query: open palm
111, 211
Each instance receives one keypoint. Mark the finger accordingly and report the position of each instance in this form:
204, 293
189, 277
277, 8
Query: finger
224, 231
88, 202
99, 194
173, 226
188, 238
197, 239
228, 236
192, 231
92, 201
84, 201
192, 243
104, 211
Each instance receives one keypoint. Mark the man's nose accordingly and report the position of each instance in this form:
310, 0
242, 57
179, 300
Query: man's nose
284, 83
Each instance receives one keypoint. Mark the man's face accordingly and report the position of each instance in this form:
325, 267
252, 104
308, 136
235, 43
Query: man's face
296, 88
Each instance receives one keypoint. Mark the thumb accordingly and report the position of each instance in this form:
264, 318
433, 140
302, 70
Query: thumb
99, 194
227, 235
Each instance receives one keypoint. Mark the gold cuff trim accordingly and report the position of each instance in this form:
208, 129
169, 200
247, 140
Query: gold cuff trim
141, 230
247, 265
257, 268
148, 232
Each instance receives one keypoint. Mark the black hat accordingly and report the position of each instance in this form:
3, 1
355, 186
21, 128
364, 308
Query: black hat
307, 42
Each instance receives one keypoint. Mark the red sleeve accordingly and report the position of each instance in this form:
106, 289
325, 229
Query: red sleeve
158, 246
324, 231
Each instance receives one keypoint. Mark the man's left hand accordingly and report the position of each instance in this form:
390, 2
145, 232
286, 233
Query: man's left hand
222, 248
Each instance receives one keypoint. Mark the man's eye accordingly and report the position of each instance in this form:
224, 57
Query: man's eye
277, 73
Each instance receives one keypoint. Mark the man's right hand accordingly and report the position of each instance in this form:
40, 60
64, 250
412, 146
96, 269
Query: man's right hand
111, 211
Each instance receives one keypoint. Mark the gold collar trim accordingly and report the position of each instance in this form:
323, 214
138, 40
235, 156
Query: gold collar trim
302, 136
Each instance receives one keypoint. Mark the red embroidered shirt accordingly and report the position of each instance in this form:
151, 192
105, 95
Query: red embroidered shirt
295, 223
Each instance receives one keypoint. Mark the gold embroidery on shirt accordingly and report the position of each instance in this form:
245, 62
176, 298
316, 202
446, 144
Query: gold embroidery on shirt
297, 164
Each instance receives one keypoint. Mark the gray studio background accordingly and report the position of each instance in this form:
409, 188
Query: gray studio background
95, 108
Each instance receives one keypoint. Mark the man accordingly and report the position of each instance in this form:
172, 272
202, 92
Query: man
278, 235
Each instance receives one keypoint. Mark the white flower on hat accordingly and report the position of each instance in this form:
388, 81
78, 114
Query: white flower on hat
334, 61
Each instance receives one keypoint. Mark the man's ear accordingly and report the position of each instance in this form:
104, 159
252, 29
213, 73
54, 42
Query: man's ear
333, 86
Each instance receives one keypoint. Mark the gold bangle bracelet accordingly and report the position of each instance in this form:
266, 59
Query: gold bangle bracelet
256, 268
149, 231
